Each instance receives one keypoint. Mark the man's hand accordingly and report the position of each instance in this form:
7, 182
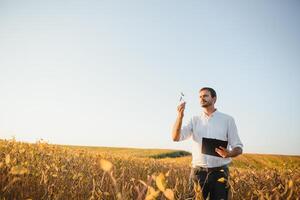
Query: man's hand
180, 110
222, 152
225, 153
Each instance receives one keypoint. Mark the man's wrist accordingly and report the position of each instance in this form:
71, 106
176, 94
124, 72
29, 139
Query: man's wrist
234, 152
180, 116
229, 155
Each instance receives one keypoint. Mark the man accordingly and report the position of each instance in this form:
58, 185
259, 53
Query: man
211, 172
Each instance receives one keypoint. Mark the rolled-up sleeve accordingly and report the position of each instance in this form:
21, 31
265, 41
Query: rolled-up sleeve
186, 131
233, 137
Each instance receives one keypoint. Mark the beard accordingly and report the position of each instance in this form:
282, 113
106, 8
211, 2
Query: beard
206, 104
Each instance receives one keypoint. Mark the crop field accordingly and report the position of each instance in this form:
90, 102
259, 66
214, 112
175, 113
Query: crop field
45, 171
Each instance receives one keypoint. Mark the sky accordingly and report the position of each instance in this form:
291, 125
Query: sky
109, 73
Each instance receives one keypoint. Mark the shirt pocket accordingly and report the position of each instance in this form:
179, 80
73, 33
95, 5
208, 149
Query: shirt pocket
200, 131
219, 132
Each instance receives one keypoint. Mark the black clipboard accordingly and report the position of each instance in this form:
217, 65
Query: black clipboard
209, 145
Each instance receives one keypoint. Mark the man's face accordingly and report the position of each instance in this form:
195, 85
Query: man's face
205, 98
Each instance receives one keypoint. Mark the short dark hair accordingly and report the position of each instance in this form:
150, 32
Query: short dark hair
212, 91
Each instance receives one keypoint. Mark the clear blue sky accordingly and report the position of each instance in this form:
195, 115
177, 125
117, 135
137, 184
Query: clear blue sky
109, 73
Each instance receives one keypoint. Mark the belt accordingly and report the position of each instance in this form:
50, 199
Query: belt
210, 169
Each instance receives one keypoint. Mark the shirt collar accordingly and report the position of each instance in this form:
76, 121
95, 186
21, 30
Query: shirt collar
212, 114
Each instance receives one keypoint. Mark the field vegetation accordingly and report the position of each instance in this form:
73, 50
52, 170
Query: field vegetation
45, 171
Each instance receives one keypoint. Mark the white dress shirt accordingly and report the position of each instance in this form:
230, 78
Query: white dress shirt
217, 126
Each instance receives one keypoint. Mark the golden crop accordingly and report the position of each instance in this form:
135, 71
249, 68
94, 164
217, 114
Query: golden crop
42, 171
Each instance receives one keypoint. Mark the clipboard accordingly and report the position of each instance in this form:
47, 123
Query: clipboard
209, 145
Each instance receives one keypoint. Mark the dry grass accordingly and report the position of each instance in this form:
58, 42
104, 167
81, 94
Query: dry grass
43, 171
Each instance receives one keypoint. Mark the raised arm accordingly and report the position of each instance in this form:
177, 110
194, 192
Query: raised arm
178, 122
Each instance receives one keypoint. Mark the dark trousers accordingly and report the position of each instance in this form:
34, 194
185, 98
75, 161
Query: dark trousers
213, 182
